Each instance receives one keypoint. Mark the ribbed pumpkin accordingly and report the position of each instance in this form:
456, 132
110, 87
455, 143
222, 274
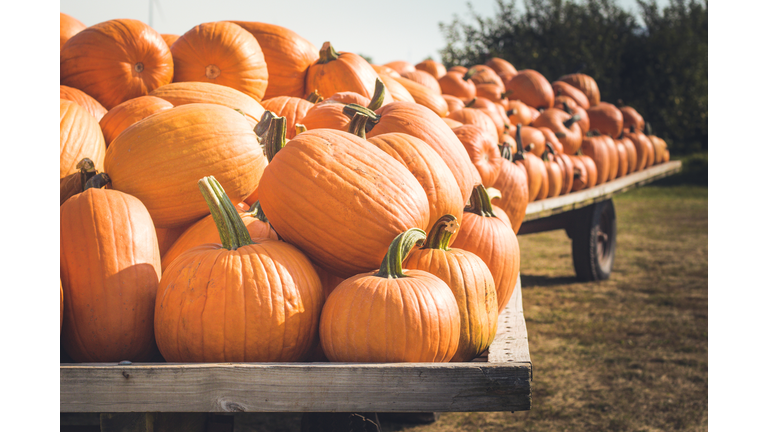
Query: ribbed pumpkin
493, 240
576, 110
237, 301
580, 173
292, 108
483, 151
221, 53
80, 137
537, 163
631, 151
68, 27
110, 270
116, 60
564, 126
613, 157
586, 84
391, 315
400, 66
483, 74
436, 69
288, 56
501, 66
562, 88
532, 140
385, 70
512, 182
606, 119
631, 117
554, 175
453, 102
594, 147
495, 111
158, 159
458, 84
519, 112
425, 96
129, 112
566, 168
423, 78
644, 147
471, 116
551, 139
588, 172
202, 92
338, 198
469, 279
169, 38
532, 88
78, 96
399, 93
623, 159
424, 163
492, 92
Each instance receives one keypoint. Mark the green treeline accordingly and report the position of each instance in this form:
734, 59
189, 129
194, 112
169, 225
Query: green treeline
656, 63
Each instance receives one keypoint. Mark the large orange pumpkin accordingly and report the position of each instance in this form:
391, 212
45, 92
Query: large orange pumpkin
391, 315
221, 53
116, 60
81, 98
565, 127
80, 137
239, 300
129, 112
606, 119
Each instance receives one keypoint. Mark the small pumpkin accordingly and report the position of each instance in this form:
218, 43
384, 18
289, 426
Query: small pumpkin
631, 117
453, 102
519, 112
423, 78
129, 112
554, 175
562, 88
436, 69
294, 109
594, 147
564, 126
458, 84
80, 137
586, 84
501, 66
483, 151
512, 182
400, 66
425, 96
469, 116
532, 88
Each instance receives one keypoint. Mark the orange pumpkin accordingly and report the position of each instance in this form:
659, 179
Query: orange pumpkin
519, 112
453, 102
631, 117
562, 88
410, 315
436, 69
129, 112
399, 93
68, 27
512, 182
470, 116
483, 152
630, 150
458, 84
595, 148
116, 60
501, 66
169, 38
554, 175
532, 88
423, 78
292, 108
606, 119
425, 96
78, 96
80, 137
586, 84
564, 126
400, 66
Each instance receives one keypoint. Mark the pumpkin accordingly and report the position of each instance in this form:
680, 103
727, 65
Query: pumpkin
436, 69
621, 152
630, 117
240, 300
519, 112
453, 102
580, 173
554, 175
532, 88
630, 150
479, 118
80, 137
495, 111
606, 119
169, 38
532, 140
110, 266
594, 147
391, 315
288, 57
399, 93
469, 279
347, 97
425, 96
90, 104
566, 169
483, 151
613, 157
221, 53
492, 92
330, 115
586, 84
644, 147
576, 110
493, 240
551, 139
564, 126
537, 163
562, 88
660, 150
68, 27
292, 108
167, 151
460, 69
458, 84
166, 237
61, 305
423, 78
591, 169
129, 112
485, 75
75, 183
512, 182
385, 70
337, 197
501, 66
400, 66
116, 60
183, 93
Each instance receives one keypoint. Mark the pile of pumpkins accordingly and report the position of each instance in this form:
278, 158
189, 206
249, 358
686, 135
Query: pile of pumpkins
235, 194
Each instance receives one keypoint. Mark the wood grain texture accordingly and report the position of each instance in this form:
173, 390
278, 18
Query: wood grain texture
503, 383
585, 197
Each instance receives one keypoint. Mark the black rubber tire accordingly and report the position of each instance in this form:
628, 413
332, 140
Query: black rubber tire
593, 244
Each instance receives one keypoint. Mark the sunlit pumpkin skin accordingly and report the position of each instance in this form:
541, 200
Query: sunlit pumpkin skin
453, 124
532, 88
419, 121
68, 27
129, 112
348, 97
110, 266
501, 66
493, 240
292, 108
554, 175
482, 74
551, 138
457, 84
631, 117
574, 111
340, 199
595, 148
183, 144
512, 182
267, 311
483, 151
335, 72
519, 112
591, 168
326, 116
288, 56
184, 93
644, 148
631, 151
491, 92
613, 157
423, 78
80, 137
425, 96
221, 53
430, 171
621, 151
537, 163
494, 111
167, 236
566, 169
533, 140
385, 70
562, 88
436, 69
660, 147
471, 282
471, 116
78, 96
586, 84
564, 126
606, 119
398, 92
453, 102
169, 38
400, 66
116, 60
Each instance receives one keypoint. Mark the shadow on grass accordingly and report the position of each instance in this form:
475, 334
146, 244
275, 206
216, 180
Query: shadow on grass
545, 281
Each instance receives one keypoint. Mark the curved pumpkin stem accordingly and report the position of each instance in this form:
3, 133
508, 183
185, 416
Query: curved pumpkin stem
257, 212
440, 235
263, 124
470, 73
232, 230
358, 124
314, 97
274, 138
351, 109
327, 54
377, 100
568, 123
470, 103
519, 155
98, 181
392, 265
648, 130
566, 109
300, 128
480, 202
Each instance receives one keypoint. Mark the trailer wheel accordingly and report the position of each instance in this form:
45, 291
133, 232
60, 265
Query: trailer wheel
593, 245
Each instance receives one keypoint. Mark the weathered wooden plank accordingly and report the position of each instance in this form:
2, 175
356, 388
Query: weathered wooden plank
583, 198
511, 341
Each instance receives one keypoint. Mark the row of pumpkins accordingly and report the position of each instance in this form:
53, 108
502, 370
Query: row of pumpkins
227, 194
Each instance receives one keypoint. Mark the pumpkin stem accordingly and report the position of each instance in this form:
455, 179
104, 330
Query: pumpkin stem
351, 109
621, 135
566, 109
440, 235
505, 95
263, 124
257, 212
98, 181
568, 123
392, 265
518, 156
377, 100
593, 133
357, 125
327, 54
274, 138
470, 103
300, 128
470, 73
480, 202
87, 170
632, 129
314, 97
232, 230
549, 147
513, 111
648, 129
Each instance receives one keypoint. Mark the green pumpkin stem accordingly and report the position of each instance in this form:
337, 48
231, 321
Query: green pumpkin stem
440, 235
592, 133
98, 181
568, 123
480, 202
327, 54
392, 265
648, 130
314, 97
470, 73
263, 124
351, 109
566, 109
257, 212
519, 155
87, 170
232, 230
300, 128
358, 124
470, 103
274, 139
377, 100
513, 111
